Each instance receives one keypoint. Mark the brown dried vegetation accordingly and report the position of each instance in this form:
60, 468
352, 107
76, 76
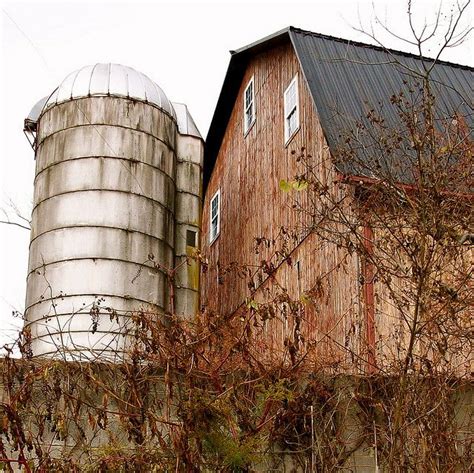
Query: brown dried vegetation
212, 394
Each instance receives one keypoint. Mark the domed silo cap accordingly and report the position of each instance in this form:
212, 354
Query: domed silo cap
186, 124
113, 80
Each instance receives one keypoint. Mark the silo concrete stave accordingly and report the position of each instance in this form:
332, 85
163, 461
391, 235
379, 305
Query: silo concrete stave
104, 202
190, 153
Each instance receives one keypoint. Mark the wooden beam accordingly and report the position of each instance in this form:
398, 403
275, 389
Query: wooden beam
369, 298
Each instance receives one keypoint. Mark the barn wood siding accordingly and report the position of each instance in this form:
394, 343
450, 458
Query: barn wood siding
248, 170
441, 343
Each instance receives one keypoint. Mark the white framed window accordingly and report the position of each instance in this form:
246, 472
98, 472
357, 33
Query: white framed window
215, 216
249, 106
292, 109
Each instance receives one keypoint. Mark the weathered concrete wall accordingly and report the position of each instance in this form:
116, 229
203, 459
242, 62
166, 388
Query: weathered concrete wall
104, 203
85, 441
190, 151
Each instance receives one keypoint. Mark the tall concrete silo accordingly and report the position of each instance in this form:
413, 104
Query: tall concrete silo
110, 192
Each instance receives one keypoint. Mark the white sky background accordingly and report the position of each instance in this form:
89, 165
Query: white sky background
183, 46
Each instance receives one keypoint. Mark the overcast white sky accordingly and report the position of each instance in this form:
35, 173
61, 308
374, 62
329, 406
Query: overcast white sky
183, 46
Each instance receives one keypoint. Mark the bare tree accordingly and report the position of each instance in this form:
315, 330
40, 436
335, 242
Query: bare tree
13, 216
194, 395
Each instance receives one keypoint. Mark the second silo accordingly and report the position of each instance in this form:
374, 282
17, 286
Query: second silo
105, 201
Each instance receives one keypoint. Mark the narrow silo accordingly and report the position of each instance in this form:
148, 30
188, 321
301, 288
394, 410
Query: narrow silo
188, 209
103, 222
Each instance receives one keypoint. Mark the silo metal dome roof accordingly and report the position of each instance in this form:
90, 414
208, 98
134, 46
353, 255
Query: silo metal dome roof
110, 79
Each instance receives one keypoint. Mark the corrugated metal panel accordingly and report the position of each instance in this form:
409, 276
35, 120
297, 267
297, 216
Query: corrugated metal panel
81, 86
65, 89
348, 79
110, 79
100, 79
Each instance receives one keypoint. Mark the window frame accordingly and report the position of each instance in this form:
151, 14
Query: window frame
213, 237
248, 126
296, 109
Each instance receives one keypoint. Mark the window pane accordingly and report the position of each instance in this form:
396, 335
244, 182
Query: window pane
191, 238
213, 230
291, 108
214, 217
214, 206
290, 99
248, 95
292, 122
249, 116
249, 105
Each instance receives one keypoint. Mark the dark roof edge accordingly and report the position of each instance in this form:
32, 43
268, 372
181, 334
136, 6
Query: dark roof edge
230, 87
264, 41
220, 117
270, 38
374, 46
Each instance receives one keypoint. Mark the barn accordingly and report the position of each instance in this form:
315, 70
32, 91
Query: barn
302, 109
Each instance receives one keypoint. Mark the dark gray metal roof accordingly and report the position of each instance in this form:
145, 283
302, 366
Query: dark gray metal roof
346, 80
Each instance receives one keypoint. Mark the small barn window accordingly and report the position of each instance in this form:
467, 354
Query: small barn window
292, 118
191, 238
214, 218
249, 106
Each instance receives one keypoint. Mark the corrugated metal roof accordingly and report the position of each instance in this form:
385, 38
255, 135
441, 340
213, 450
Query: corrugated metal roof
346, 79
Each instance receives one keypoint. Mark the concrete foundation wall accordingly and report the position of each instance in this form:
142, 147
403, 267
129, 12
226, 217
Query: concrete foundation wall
81, 439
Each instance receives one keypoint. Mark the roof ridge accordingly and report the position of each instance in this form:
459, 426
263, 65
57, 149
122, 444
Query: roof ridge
377, 47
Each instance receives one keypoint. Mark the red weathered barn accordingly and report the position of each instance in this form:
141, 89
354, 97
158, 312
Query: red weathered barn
292, 90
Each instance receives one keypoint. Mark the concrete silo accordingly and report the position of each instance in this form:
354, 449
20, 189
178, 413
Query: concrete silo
118, 179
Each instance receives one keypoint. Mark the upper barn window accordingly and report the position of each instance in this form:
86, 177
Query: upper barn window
292, 112
249, 105
215, 218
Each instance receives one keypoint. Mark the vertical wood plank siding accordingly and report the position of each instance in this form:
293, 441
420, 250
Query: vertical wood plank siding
352, 323
247, 171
